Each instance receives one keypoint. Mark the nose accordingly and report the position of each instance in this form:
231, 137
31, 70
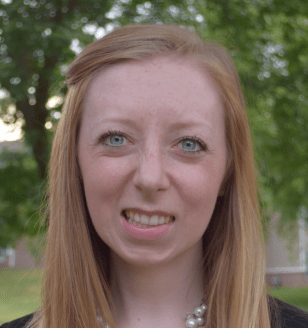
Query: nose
151, 175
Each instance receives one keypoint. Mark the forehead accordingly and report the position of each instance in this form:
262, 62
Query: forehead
173, 85
155, 71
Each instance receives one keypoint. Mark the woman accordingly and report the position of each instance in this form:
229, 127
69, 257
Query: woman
153, 207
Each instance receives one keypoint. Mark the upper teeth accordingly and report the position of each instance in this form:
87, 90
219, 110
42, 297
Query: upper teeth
144, 219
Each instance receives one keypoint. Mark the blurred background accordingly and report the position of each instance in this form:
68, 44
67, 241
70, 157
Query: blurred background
268, 41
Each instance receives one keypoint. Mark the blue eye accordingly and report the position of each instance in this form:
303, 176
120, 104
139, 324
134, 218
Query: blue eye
117, 138
195, 140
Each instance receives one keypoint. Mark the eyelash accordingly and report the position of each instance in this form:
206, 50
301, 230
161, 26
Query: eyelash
195, 138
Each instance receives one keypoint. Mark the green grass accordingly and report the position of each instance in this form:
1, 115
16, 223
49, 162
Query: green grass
294, 296
19, 293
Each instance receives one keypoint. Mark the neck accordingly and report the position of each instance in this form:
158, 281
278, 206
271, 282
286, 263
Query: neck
152, 295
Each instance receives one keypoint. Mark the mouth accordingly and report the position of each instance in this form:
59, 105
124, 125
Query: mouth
124, 214
147, 228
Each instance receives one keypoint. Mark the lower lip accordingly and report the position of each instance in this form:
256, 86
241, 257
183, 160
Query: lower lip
152, 233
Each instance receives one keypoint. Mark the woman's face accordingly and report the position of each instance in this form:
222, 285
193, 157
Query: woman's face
152, 105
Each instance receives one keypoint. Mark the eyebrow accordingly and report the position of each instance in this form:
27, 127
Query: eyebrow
174, 126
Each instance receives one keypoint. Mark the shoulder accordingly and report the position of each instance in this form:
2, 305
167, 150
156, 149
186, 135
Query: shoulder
18, 323
285, 315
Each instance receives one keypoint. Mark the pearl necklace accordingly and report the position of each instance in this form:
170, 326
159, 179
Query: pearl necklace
193, 320
197, 317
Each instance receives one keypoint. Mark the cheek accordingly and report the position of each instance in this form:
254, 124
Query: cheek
199, 185
103, 182
104, 178
199, 191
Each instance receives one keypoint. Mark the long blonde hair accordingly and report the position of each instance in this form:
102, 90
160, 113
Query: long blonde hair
76, 273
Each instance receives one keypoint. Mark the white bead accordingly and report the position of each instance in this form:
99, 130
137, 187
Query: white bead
191, 323
199, 312
200, 321
203, 306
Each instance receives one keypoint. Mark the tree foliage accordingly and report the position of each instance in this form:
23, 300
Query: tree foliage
20, 196
266, 38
